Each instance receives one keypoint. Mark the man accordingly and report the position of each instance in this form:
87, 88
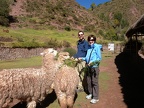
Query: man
82, 46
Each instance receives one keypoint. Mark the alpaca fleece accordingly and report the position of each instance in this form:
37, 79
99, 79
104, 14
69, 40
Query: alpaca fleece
65, 85
28, 84
23, 84
65, 82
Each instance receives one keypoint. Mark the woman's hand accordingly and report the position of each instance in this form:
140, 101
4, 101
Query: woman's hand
89, 64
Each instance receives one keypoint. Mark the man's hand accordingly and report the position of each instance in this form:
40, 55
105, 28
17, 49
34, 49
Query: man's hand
79, 59
72, 57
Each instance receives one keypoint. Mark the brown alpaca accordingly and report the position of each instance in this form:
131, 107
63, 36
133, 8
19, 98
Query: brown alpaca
65, 85
28, 84
65, 82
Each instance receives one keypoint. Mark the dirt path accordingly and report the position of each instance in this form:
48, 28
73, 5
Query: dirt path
113, 98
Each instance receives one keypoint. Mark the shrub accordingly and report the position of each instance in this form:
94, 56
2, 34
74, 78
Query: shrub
25, 45
4, 13
66, 44
67, 28
70, 50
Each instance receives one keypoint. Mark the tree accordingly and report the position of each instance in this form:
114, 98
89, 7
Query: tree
93, 6
118, 16
4, 13
124, 23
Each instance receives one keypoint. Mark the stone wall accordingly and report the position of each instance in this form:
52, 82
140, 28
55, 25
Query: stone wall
14, 53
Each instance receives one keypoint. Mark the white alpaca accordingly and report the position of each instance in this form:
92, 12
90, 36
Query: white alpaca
28, 84
65, 85
66, 81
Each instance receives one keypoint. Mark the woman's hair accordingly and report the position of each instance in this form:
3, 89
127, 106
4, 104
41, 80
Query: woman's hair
91, 38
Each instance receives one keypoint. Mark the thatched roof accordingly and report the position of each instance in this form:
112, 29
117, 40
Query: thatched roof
136, 28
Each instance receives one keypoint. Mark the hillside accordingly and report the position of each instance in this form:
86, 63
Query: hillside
62, 13
130, 9
59, 14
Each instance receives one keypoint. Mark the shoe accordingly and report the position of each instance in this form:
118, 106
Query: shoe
93, 101
89, 96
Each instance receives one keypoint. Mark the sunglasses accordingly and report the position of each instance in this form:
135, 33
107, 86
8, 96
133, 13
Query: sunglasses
90, 40
80, 35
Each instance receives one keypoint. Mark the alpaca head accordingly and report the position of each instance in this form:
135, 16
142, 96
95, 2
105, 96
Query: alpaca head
48, 55
51, 57
63, 56
49, 51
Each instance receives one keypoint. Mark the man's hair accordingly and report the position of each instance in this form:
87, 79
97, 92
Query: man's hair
80, 32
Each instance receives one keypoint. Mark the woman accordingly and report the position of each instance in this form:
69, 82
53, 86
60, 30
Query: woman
92, 59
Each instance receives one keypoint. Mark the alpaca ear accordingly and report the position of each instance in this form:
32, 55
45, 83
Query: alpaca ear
42, 54
49, 51
55, 52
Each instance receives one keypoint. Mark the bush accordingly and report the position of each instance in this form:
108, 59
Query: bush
70, 50
25, 45
4, 13
67, 28
89, 27
4, 21
66, 44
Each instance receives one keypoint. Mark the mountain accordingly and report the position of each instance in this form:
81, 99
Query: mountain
69, 15
60, 14
130, 9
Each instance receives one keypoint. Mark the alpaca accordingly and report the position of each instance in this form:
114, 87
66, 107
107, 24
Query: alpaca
65, 85
29, 84
65, 82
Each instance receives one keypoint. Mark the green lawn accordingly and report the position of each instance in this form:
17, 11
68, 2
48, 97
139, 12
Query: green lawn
21, 63
40, 36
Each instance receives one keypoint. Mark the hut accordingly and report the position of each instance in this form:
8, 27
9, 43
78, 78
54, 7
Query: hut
135, 35
137, 29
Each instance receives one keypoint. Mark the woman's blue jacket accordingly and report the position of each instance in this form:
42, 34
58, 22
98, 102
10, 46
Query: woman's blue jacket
95, 52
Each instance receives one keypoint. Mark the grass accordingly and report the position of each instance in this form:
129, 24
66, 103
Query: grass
21, 63
41, 35
103, 80
104, 75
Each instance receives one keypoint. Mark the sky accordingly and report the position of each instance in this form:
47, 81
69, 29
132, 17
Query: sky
87, 3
